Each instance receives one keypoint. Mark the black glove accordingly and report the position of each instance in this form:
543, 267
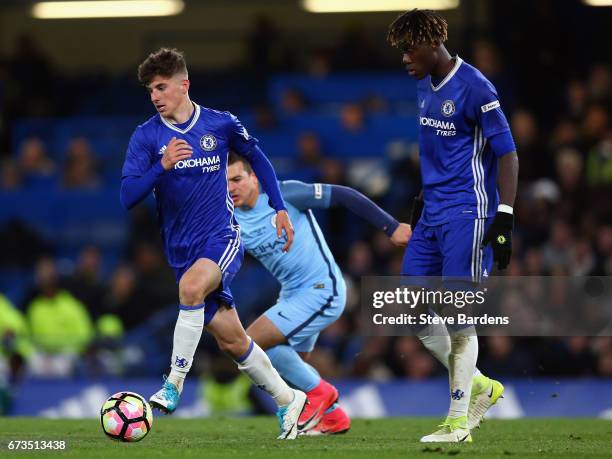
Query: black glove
499, 235
415, 211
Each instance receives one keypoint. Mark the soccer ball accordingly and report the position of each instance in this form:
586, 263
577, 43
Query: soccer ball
126, 416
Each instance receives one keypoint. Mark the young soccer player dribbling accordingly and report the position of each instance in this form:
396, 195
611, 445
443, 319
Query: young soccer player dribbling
467, 154
181, 155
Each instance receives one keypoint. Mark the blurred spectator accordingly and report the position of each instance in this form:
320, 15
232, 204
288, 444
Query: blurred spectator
375, 104
80, 169
410, 360
20, 246
583, 259
534, 265
600, 81
599, 163
352, 118
156, 287
37, 169
265, 118
10, 178
308, 165
318, 63
60, 325
604, 363
332, 171
32, 77
557, 253
86, 282
119, 296
486, 58
502, 357
577, 99
15, 344
565, 134
266, 49
226, 391
595, 125
569, 167
532, 154
564, 357
360, 260
603, 246
292, 102
356, 51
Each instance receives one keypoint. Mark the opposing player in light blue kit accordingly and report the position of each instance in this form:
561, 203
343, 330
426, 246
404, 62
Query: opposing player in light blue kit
181, 155
467, 154
313, 293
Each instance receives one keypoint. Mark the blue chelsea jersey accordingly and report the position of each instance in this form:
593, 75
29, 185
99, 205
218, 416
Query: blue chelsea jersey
193, 201
308, 264
458, 168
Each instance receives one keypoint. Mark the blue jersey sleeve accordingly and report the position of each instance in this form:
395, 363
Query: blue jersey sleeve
239, 139
138, 158
242, 143
486, 110
306, 195
322, 196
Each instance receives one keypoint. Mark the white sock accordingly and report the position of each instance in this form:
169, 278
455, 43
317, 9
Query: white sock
462, 362
187, 333
257, 366
436, 339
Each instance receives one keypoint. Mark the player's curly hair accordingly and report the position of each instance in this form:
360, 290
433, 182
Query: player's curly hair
417, 27
165, 62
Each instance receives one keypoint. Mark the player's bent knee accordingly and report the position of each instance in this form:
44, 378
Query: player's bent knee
191, 293
234, 347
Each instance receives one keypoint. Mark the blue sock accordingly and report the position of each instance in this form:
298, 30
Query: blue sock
331, 408
313, 369
292, 368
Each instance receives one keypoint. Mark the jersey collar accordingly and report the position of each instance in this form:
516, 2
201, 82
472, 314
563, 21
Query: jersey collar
447, 78
196, 115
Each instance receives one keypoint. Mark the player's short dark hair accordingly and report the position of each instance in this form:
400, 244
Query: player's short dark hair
236, 158
417, 27
165, 62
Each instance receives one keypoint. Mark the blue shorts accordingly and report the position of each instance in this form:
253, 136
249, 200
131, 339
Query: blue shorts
227, 253
452, 249
302, 314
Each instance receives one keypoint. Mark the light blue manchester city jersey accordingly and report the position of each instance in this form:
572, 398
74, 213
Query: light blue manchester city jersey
308, 263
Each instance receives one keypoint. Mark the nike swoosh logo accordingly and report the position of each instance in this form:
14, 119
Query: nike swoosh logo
303, 424
463, 439
280, 313
491, 393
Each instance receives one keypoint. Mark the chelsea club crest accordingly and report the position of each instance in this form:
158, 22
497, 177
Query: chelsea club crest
208, 142
448, 108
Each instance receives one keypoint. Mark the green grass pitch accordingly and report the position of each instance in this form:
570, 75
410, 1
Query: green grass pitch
254, 437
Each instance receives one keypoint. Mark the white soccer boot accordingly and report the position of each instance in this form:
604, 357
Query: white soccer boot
288, 416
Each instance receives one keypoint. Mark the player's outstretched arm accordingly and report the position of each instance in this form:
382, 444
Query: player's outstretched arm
322, 196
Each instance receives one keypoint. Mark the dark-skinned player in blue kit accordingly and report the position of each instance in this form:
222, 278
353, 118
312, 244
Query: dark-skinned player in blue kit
469, 169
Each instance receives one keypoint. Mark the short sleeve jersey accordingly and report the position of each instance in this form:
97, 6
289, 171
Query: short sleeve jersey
458, 168
193, 201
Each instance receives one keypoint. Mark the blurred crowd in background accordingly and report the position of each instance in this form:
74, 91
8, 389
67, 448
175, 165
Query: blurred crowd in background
87, 316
